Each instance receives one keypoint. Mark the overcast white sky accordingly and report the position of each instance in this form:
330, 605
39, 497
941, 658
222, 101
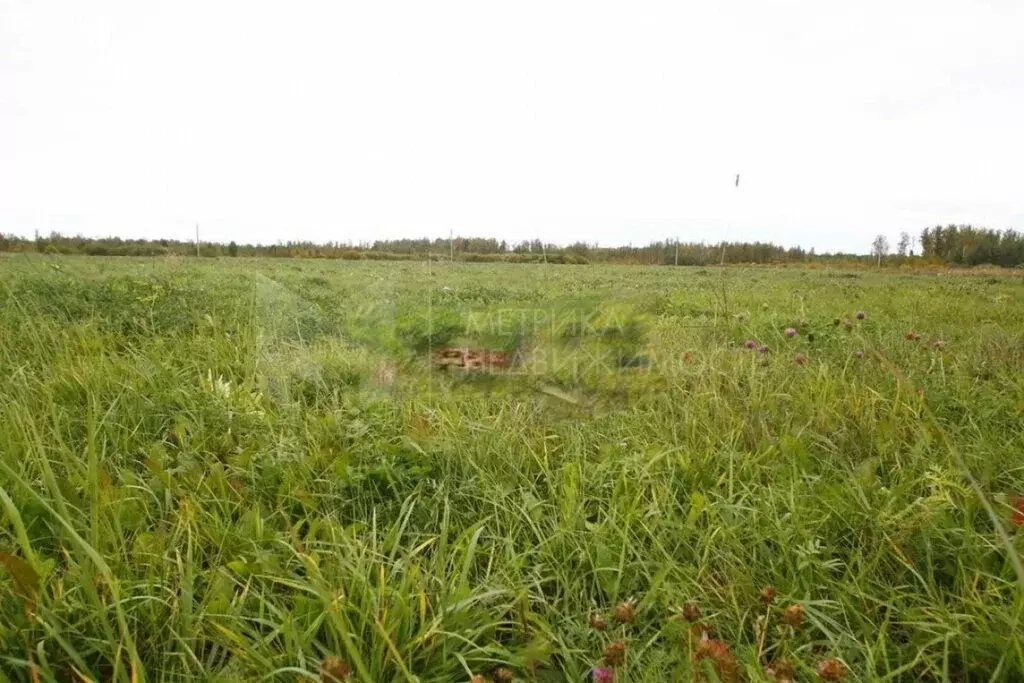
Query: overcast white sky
609, 122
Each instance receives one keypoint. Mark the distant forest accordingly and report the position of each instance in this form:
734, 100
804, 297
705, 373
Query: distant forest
953, 245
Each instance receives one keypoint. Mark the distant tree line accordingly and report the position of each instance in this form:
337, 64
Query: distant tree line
970, 246
959, 245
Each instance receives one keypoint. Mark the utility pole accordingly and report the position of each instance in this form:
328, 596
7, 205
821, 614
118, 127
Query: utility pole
197, 239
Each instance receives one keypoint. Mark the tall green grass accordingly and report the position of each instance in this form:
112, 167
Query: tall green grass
227, 471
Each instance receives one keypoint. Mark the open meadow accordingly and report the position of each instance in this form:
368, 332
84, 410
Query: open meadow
256, 469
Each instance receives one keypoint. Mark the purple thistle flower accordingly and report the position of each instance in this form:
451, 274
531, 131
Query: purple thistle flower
861, 315
603, 674
790, 332
858, 354
763, 348
750, 344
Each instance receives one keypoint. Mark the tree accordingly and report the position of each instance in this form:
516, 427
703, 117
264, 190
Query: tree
903, 244
232, 249
880, 247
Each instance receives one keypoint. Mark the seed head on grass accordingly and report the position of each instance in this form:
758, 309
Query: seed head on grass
691, 611
615, 653
625, 611
793, 616
700, 629
939, 344
912, 336
781, 671
726, 666
597, 622
831, 670
1017, 518
334, 670
503, 675
768, 594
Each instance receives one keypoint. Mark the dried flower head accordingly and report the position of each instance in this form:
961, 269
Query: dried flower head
799, 359
763, 348
597, 622
847, 325
836, 322
793, 616
768, 593
478, 678
700, 629
691, 611
603, 674
861, 315
1017, 518
790, 332
625, 611
939, 344
750, 344
831, 670
781, 671
726, 666
615, 653
912, 336
334, 669
858, 354
503, 675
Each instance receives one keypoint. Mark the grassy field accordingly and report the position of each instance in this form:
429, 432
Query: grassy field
229, 470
